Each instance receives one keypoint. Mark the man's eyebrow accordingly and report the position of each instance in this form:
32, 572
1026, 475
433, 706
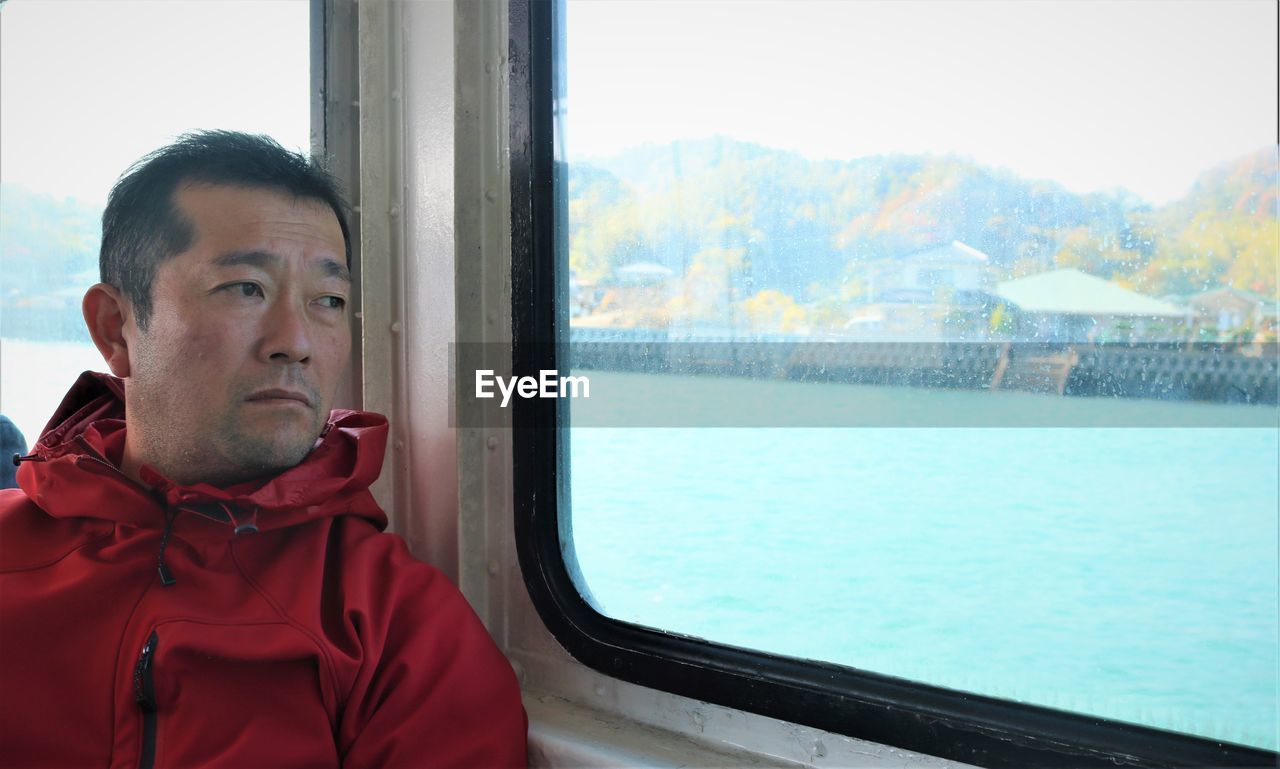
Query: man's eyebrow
251, 258
262, 259
335, 269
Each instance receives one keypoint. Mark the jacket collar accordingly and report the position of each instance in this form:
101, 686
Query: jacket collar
73, 471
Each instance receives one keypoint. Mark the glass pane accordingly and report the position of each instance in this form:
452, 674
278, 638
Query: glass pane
935, 339
87, 88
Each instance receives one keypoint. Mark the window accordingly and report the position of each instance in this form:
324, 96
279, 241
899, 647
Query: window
911, 428
87, 88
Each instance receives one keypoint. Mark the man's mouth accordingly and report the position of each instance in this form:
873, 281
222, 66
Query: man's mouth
274, 396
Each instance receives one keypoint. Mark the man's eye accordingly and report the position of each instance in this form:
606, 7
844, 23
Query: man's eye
333, 302
245, 289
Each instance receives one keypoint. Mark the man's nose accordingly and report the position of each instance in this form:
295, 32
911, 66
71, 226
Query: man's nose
286, 336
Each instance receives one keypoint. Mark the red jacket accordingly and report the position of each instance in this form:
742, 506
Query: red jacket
294, 633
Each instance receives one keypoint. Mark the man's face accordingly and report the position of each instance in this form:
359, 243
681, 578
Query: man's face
247, 341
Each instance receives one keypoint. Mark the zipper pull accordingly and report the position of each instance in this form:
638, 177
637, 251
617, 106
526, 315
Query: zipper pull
144, 690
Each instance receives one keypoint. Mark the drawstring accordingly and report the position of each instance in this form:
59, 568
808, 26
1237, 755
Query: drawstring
166, 577
242, 524
246, 525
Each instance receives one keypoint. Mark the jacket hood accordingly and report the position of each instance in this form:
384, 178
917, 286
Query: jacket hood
73, 471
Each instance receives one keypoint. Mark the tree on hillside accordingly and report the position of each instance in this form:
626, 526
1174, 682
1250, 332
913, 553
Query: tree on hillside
706, 292
604, 225
1224, 232
45, 242
770, 311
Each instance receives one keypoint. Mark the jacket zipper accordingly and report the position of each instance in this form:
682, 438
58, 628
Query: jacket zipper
94, 456
144, 691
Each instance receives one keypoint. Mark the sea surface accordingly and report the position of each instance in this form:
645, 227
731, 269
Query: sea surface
1129, 573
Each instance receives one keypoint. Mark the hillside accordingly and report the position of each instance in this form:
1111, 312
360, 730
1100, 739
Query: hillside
46, 244
804, 227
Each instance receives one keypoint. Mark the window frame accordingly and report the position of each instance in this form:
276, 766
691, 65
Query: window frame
971, 728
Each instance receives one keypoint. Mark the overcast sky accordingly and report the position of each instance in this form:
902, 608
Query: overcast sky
1141, 94
87, 87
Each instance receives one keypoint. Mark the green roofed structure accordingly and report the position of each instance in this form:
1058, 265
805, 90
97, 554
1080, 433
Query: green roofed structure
1070, 305
1072, 292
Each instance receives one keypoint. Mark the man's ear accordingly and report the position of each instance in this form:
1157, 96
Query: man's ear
107, 313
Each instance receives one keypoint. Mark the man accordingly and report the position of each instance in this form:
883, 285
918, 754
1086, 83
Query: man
193, 573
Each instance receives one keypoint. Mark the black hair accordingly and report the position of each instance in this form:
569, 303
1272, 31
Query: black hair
142, 225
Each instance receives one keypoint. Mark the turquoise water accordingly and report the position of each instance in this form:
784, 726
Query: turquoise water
1127, 573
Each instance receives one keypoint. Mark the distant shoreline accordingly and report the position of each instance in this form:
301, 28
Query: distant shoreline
1204, 372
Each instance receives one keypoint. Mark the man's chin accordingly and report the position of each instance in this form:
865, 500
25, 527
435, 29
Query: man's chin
278, 459
256, 458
